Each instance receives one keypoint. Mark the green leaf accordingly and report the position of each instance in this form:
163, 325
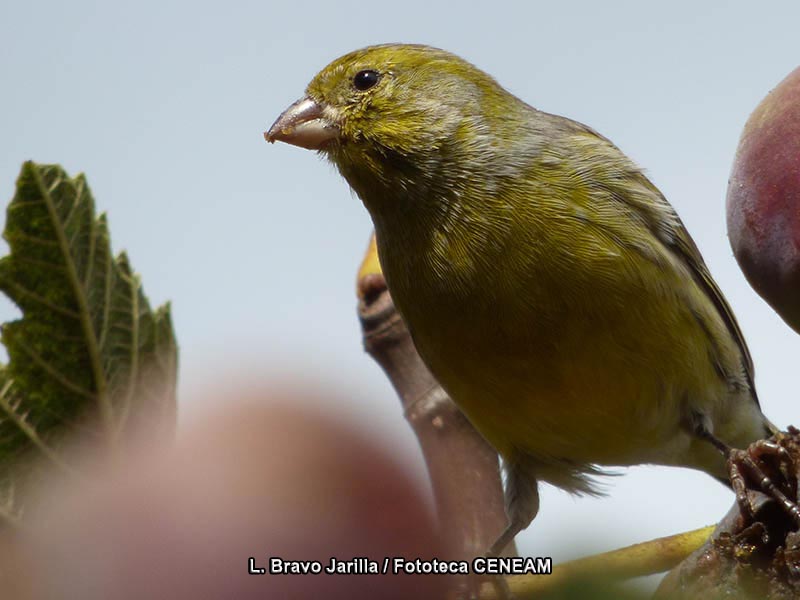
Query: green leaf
88, 344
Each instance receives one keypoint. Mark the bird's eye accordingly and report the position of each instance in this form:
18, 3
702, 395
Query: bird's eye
363, 80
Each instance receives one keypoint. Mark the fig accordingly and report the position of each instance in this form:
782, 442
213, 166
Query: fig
763, 201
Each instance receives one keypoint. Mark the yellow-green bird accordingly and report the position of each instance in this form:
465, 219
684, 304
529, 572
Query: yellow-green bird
546, 282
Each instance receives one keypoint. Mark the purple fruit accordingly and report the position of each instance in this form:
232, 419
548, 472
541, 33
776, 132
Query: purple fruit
763, 202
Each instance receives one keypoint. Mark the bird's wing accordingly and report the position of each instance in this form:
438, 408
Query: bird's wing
683, 245
629, 184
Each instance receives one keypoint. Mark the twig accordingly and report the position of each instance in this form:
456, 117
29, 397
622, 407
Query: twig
646, 558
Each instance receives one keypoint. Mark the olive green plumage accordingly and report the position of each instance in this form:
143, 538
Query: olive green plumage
546, 282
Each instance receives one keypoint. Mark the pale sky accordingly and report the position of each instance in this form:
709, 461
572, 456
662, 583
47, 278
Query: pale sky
163, 104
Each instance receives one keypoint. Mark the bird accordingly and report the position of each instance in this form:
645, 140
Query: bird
547, 284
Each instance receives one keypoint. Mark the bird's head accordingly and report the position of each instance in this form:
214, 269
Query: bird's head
391, 102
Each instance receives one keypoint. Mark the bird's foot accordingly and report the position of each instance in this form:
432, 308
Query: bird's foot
766, 466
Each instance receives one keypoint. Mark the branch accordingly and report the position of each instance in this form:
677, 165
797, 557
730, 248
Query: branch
646, 558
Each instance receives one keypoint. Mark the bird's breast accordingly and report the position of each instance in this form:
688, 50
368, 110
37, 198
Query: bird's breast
551, 351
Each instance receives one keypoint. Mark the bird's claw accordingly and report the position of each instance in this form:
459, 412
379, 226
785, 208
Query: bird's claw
746, 469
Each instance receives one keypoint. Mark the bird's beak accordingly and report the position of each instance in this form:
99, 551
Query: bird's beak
303, 124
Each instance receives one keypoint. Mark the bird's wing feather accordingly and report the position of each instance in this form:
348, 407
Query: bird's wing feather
664, 223
683, 245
